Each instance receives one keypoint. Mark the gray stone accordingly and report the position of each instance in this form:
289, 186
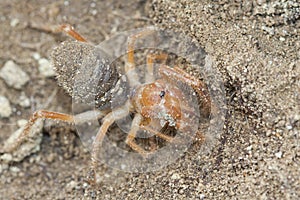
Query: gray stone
29, 146
24, 101
13, 75
45, 68
5, 109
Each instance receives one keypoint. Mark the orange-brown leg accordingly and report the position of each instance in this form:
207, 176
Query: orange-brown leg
107, 121
162, 57
132, 134
67, 28
131, 41
41, 114
165, 137
158, 134
44, 114
180, 74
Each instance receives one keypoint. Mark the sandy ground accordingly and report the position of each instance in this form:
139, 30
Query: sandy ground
254, 44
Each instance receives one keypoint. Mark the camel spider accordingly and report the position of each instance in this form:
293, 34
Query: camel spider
155, 104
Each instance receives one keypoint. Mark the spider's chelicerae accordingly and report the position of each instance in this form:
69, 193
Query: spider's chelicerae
155, 104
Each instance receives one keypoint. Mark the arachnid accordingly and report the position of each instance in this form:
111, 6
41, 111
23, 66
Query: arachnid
156, 104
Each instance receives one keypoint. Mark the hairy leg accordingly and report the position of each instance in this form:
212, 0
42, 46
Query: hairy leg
150, 60
158, 134
41, 114
130, 64
67, 28
107, 121
44, 114
132, 134
131, 42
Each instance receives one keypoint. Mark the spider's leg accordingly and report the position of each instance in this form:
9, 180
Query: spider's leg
132, 134
44, 114
108, 120
41, 114
131, 41
67, 28
150, 60
180, 74
158, 134
167, 138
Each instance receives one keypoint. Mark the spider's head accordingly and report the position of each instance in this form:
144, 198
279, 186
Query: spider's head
158, 101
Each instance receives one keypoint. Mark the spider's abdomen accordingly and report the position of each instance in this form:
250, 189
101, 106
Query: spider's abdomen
84, 72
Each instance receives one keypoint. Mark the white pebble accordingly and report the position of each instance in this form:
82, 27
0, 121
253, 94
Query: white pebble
27, 147
6, 157
3, 167
123, 167
13, 75
14, 22
289, 127
66, 3
278, 154
249, 148
5, 109
14, 169
36, 56
71, 185
282, 39
175, 176
45, 68
24, 100
202, 196
21, 122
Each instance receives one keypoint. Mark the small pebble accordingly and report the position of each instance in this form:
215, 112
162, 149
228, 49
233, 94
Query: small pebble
175, 176
14, 169
289, 127
3, 167
5, 109
249, 148
14, 22
24, 101
45, 68
36, 56
13, 75
71, 185
27, 147
278, 154
6, 157
85, 185
282, 39
21, 122
123, 167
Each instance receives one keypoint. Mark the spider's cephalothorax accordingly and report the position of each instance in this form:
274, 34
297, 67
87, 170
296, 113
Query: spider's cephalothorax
158, 101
